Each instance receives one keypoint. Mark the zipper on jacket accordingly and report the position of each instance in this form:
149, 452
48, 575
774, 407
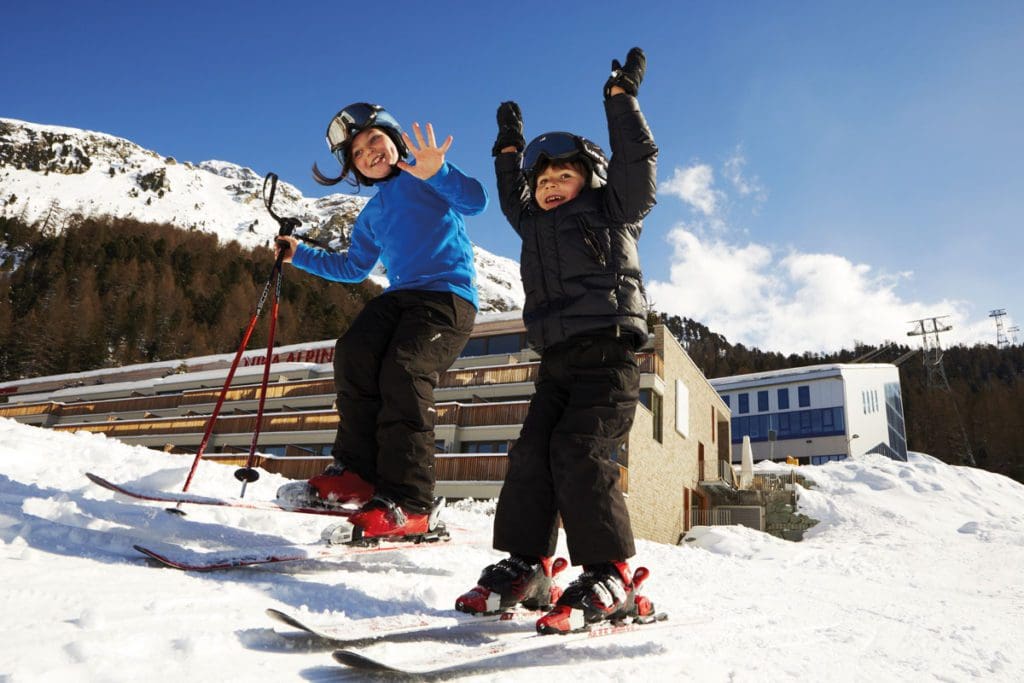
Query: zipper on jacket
590, 239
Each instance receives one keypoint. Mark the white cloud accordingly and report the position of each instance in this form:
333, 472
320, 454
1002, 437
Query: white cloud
789, 302
695, 186
733, 170
794, 302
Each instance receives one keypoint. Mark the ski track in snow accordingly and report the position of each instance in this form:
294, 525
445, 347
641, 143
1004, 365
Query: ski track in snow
912, 574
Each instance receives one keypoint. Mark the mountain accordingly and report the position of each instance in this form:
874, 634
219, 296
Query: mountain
50, 174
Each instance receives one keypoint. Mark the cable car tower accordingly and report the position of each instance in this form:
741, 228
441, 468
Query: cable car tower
1001, 338
929, 329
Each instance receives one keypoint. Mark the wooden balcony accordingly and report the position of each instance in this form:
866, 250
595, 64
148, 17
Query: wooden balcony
459, 467
472, 377
24, 411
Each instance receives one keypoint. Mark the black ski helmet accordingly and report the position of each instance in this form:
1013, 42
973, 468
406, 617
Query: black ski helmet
348, 123
562, 146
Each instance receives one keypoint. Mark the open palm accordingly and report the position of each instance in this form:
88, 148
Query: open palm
429, 157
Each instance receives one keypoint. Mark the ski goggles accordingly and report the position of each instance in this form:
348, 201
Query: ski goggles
354, 118
551, 146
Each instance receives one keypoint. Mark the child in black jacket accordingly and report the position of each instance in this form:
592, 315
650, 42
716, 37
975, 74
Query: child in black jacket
579, 217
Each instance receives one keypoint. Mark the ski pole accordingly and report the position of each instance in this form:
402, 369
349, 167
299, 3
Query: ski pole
231, 373
286, 226
248, 473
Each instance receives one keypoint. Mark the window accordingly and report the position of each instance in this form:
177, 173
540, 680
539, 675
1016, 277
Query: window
652, 401
656, 410
504, 343
822, 459
682, 408
485, 446
645, 398
783, 399
496, 343
477, 346
803, 396
784, 425
744, 403
762, 401
801, 424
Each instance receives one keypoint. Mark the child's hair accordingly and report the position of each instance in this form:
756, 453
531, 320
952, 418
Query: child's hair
356, 180
347, 166
575, 164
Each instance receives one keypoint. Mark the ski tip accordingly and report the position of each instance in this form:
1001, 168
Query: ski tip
285, 618
152, 554
275, 614
355, 660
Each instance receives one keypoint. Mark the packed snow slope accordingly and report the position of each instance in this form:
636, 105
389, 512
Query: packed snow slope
913, 574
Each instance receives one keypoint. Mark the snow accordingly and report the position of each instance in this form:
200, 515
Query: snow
912, 574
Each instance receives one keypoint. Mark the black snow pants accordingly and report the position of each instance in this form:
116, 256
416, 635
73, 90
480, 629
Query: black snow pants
583, 408
386, 367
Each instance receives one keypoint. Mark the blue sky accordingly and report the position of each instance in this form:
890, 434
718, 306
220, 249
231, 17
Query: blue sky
828, 172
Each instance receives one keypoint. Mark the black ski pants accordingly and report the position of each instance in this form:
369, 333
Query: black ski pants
583, 408
386, 367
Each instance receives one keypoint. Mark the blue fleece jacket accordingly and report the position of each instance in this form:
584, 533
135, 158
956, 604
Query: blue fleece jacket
416, 229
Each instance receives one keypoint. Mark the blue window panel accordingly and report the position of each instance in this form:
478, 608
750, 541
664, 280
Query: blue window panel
803, 395
475, 347
783, 399
784, 428
505, 343
762, 401
801, 424
744, 403
645, 398
728, 403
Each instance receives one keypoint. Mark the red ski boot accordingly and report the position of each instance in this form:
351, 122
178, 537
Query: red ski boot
604, 592
336, 487
514, 580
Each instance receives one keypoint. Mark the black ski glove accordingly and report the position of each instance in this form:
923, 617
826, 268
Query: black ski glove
510, 128
627, 77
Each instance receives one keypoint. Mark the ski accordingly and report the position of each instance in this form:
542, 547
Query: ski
193, 499
410, 627
493, 654
186, 559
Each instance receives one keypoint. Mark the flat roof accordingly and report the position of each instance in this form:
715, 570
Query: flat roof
788, 375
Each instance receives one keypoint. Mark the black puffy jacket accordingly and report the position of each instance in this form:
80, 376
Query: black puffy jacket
579, 263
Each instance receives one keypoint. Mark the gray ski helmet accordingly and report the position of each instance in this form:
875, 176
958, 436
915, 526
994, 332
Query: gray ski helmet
357, 117
348, 123
562, 146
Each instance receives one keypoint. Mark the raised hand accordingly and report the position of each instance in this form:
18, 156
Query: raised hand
628, 77
429, 157
510, 128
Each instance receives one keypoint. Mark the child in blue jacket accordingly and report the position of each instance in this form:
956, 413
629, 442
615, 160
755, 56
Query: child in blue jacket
387, 364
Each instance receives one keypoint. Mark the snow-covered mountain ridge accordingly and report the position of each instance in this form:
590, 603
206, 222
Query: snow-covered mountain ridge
50, 174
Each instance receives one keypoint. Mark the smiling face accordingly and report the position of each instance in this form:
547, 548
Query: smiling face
558, 184
373, 153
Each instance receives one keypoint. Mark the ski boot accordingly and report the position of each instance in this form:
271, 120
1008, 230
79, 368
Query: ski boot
514, 580
336, 487
604, 592
381, 519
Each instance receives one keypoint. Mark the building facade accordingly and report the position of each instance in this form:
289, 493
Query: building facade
678, 444
818, 413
